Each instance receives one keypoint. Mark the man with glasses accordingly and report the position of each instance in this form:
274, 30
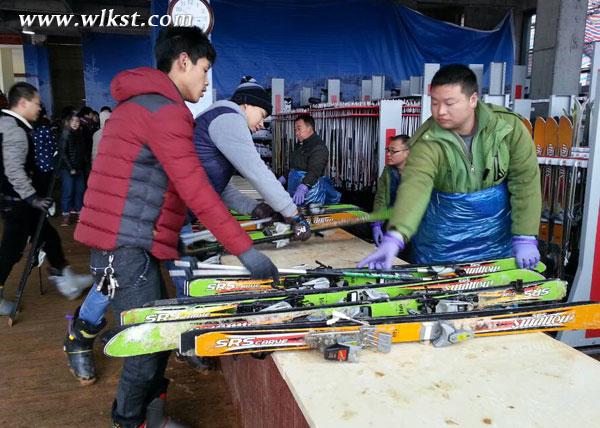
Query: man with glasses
471, 189
387, 186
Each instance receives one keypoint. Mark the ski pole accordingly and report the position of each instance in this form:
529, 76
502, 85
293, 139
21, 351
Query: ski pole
210, 270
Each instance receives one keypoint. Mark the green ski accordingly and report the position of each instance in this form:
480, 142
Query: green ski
198, 286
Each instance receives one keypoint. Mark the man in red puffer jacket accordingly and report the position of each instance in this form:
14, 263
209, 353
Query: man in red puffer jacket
145, 174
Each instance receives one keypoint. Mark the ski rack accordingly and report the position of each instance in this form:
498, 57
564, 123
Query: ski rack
586, 285
558, 161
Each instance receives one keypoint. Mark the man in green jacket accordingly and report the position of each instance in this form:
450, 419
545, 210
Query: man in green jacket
466, 151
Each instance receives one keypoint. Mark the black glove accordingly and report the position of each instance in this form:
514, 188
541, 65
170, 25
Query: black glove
262, 210
259, 265
300, 227
41, 203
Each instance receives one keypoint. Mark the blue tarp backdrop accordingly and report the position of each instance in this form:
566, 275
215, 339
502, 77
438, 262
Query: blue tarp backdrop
104, 56
37, 69
308, 41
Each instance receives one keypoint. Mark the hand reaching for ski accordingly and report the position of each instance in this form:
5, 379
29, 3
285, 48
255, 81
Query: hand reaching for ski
383, 258
300, 227
259, 265
525, 251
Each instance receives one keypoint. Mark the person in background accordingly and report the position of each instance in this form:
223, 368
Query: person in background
88, 127
44, 145
105, 108
104, 115
471, 186
72, 169
95, 120
3, 100
387, 186
307, 165
21, 200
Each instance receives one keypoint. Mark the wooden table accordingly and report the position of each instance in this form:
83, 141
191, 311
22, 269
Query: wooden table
511, 381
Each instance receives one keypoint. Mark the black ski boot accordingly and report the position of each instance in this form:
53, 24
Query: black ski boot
79, 347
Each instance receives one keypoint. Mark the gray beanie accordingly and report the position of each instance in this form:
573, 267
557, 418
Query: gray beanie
250, 92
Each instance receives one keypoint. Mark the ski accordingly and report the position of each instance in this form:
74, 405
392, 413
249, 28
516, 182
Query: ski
250, 223
557, 219
281, 231
318, 297
539, 138
199, 286
161, 334
270, 228
528, 125
438, 329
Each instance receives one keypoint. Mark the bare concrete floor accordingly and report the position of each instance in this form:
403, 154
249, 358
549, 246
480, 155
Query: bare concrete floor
37, 388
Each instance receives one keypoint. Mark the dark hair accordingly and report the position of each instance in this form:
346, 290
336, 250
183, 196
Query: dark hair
20, 90
67, 115
42, 119
85, 110
306, 118
173, 41
107, 108
456, 74
402, 138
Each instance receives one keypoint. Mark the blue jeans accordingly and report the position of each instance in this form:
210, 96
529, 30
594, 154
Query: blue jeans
95, 304
140, 281
73, 187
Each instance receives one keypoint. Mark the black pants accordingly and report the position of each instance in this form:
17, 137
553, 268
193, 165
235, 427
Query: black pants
20, 221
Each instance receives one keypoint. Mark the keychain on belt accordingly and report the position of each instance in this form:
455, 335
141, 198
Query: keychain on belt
108, 283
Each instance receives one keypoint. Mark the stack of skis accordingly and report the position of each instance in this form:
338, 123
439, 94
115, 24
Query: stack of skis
341, 310
563, 170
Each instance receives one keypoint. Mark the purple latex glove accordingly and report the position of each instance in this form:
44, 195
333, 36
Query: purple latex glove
377, 229
391, 244
282, 180
525, 250
300, 194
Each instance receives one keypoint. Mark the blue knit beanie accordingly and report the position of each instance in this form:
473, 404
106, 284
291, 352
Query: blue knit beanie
250, 92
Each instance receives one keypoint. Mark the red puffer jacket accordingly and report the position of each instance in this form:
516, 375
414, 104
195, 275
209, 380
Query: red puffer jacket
147, 172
